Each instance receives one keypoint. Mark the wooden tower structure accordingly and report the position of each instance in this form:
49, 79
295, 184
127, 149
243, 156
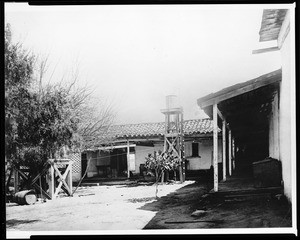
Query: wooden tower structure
173, 137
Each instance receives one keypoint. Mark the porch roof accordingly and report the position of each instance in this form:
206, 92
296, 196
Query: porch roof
239, 89
245, 106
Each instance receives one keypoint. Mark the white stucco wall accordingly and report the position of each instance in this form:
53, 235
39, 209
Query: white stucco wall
141, 152
205, 153
195, 163
286, 109
274, 130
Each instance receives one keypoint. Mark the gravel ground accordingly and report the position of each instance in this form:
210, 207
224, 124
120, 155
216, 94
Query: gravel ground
117, 207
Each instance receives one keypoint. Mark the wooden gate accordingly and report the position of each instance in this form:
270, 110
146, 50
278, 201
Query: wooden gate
60, 177
58, 174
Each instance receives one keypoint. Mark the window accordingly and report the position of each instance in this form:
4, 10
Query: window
195, 149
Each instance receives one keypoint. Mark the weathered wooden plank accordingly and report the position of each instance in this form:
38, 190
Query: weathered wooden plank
62, 178
35, 185
128, 156
224, 148
264, 50
229, 153
215, 146
220, 115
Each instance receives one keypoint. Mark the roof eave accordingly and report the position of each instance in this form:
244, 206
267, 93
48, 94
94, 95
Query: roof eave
238, 89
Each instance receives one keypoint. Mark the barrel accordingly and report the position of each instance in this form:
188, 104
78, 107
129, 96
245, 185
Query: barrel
26, 197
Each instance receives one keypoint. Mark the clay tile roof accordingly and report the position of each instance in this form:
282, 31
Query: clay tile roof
195, 126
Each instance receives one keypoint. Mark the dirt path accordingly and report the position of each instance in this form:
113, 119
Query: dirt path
117, 207
254, 212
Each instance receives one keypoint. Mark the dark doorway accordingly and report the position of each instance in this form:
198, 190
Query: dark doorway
119, 162
83, 163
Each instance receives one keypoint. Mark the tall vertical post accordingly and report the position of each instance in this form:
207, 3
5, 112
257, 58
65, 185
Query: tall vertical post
51, 183
233, 153
229, 152
224, 148
128, 159
70, 178
215, 145
16, 180
276, 126
166, 131
181, 149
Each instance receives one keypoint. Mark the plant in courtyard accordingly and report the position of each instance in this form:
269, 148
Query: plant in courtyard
162, 162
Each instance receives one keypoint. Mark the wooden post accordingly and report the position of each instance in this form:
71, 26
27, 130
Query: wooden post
276, 126
181, 147
233, 154
229, 152
16, 181
215, 145
224, 149
128, 159
69, 178
166, 131
50, 181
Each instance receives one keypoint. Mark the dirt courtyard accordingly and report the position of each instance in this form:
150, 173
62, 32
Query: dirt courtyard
134, 207
114, 207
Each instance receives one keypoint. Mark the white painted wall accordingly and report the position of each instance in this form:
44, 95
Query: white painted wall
92, 168
205, 152
195, 163
286, 110
142, 151
274, 130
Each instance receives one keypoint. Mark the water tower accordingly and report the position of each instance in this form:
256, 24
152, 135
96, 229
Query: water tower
173, 139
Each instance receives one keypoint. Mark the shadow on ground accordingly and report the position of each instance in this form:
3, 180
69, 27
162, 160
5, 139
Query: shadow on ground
13, 222
174, 211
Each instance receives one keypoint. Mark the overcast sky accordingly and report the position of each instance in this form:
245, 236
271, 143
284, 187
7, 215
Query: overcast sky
135, 55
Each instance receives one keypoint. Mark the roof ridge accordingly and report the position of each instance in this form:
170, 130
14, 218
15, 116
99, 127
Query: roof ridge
194, 119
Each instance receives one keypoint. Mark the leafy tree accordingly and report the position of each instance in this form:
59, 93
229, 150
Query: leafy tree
18, 70
40, 121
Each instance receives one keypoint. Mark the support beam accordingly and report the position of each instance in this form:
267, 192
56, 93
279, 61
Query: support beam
50, 181
220, 115
264, 50
229, 152
276, 126
16, 181
128, 159
69, 178
222, 118
181, 148
233, 154
224, 148
215, 146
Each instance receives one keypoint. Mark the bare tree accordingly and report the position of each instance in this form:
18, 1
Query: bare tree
92, 115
